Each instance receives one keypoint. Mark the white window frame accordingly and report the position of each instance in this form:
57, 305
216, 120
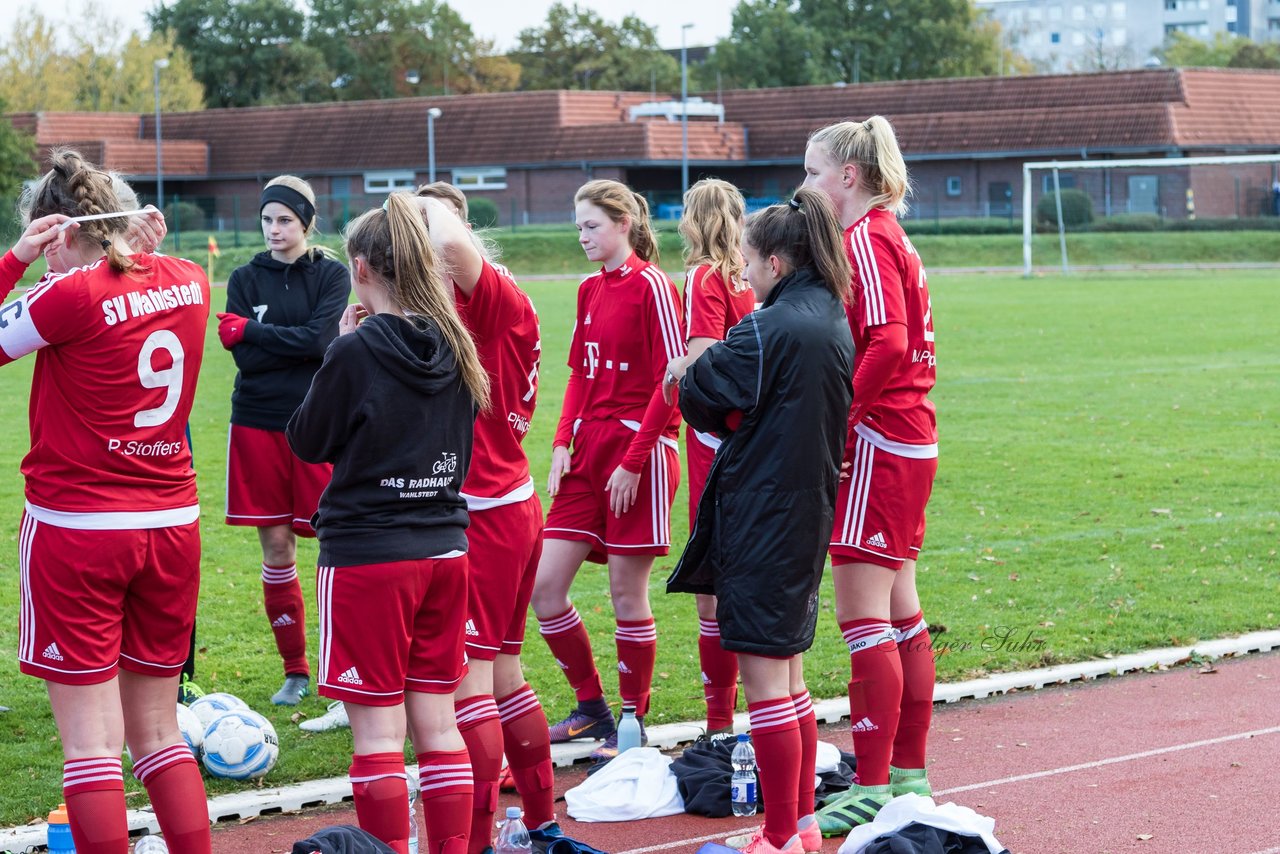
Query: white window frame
954, 186
480, 178
389, 180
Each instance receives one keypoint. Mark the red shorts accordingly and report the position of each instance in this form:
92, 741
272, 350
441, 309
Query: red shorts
387, 628
268, 485
95, 601
880, 507
700, 451
580, 511
504, 544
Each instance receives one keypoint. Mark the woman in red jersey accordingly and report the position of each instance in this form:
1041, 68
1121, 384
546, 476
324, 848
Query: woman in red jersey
892, 455
392, 408
497, 710
715, 299
611, 496
109, 551
282, 312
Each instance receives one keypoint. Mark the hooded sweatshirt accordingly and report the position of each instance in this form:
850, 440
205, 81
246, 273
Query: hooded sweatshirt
389, 409
293, 311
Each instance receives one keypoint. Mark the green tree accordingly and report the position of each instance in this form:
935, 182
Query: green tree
245, 52
767, 46
577, 49
1223, 51
17, 158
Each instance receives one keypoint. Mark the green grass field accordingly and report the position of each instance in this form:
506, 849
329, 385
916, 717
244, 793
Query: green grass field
1106, 485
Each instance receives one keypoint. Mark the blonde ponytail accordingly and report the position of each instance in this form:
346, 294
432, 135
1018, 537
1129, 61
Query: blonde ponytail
872, 146
395, 245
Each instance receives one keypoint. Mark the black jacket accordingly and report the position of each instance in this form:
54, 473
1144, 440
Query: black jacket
293, 312
759, 541
389, 410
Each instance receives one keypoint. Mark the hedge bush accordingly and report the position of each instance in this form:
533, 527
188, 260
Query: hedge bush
482, 212
1077, 208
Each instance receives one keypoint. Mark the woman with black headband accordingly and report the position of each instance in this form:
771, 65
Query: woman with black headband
282, 311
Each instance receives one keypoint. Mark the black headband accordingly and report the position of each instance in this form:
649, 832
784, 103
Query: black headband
291, 199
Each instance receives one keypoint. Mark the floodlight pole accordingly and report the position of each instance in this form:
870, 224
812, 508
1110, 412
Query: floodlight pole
155, 67
684, 112
432, 114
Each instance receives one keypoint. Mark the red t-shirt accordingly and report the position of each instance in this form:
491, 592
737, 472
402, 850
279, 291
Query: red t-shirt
111, 393
505, 328
628, 328
710, 308
889, 286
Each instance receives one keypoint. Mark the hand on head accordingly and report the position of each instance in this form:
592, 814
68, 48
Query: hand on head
38, 235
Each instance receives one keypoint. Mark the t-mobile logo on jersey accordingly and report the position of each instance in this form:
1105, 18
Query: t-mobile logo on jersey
592, 359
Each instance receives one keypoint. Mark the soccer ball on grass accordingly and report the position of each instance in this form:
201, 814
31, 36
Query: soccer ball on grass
241, 745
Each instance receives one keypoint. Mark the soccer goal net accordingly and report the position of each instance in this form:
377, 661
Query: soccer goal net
1147, 194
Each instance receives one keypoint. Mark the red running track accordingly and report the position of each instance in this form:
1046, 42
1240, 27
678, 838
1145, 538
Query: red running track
1178, 762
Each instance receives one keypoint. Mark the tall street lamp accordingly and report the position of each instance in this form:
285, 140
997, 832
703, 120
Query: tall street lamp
684, 113
156, 66
432, 114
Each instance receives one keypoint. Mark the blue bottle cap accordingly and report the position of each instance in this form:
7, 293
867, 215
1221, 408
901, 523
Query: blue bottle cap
513, 812
742, 736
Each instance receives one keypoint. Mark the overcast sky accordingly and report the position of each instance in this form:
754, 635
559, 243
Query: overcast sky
500, 20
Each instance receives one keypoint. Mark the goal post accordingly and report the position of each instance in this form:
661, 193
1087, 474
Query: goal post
1055, 167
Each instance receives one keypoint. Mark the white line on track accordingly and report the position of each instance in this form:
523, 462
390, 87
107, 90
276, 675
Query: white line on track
1268, 851
1099, 763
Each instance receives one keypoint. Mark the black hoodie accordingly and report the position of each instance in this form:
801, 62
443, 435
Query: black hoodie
293, 312
388, 408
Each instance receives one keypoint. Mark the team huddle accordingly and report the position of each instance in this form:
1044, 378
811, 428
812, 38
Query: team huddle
391, 429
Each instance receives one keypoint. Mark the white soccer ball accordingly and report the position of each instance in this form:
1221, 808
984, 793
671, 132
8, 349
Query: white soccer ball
210, 706
240, 745
191, 728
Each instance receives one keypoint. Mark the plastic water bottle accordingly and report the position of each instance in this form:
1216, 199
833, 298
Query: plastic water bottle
513, 837
59, 839
150, 844
628, 730
413, 813
742, 787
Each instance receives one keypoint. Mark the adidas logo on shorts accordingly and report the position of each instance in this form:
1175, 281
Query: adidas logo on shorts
282, 621
351, 677
52, 652
472, 631
877, 541
864, 725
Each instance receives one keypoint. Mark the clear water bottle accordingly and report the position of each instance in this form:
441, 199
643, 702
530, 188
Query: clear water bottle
513, 836
628, 730
742, 788
150, 844
413, 812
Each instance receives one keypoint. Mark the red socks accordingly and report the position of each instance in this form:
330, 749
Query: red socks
381, 791
176, 789
719, 676
808, 723
444, 779
637, 642
482, 731
875, 694
571, 645
528, 746
915, 652
775, 734
93, 790
282, 596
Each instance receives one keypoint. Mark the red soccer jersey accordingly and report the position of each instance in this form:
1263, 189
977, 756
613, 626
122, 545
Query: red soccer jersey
710, 308
111, 392
889, 286
628, 328
505, 328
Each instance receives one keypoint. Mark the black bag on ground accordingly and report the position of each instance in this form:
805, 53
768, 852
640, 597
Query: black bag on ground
341, 839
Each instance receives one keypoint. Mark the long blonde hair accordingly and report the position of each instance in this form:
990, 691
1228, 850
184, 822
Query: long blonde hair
712, 230
807, 233
619, 202
872, 146
395, 245
75, 187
